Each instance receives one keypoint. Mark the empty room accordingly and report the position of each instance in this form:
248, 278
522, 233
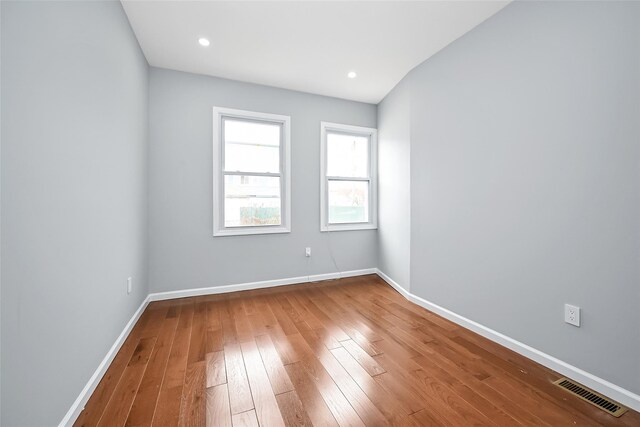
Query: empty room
319, 213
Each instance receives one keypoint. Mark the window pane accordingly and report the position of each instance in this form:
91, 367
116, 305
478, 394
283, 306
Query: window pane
251, 146
348, 201
347, 155
251, 201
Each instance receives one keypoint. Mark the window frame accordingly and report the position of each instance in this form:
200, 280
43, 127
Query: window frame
372, 134
219, 115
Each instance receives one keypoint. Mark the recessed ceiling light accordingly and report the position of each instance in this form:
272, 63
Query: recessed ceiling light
204, 42
352, 75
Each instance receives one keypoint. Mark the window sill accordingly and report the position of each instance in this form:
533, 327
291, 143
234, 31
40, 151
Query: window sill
250, 231
348, 227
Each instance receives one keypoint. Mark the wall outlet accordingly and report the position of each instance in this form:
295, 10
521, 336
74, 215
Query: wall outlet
572, 314
129, 285
307, 252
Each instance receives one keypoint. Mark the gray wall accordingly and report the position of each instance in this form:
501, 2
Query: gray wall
394, 217
183, 253
74, 148
525, 180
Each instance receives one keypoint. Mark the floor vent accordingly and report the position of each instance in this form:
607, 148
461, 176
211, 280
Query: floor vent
596, 399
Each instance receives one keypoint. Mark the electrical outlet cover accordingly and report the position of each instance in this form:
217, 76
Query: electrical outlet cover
572, 314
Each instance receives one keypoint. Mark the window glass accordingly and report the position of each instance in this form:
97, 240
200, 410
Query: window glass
251, 146
251, 201
347, 155
348, 201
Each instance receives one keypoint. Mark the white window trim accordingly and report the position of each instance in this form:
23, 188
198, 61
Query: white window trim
218, 173
372, 133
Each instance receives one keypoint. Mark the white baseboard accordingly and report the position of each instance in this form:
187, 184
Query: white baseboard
159, 296
405, 293
93, 382
598, 384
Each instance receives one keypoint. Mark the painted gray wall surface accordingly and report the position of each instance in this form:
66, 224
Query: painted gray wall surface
183, 253
525, 180
394, 216
74, 148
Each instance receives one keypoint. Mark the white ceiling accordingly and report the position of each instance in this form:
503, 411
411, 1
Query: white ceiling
303, 45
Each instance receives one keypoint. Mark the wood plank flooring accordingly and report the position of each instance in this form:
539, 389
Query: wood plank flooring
349, 352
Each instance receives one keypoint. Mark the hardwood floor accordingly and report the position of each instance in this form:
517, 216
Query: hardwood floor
345, 352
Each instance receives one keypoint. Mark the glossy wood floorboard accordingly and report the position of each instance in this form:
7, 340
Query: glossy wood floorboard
349, 352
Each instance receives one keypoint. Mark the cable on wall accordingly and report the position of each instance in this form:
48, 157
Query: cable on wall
333, 258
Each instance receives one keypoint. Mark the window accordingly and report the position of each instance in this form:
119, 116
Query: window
251, 177
349, 177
